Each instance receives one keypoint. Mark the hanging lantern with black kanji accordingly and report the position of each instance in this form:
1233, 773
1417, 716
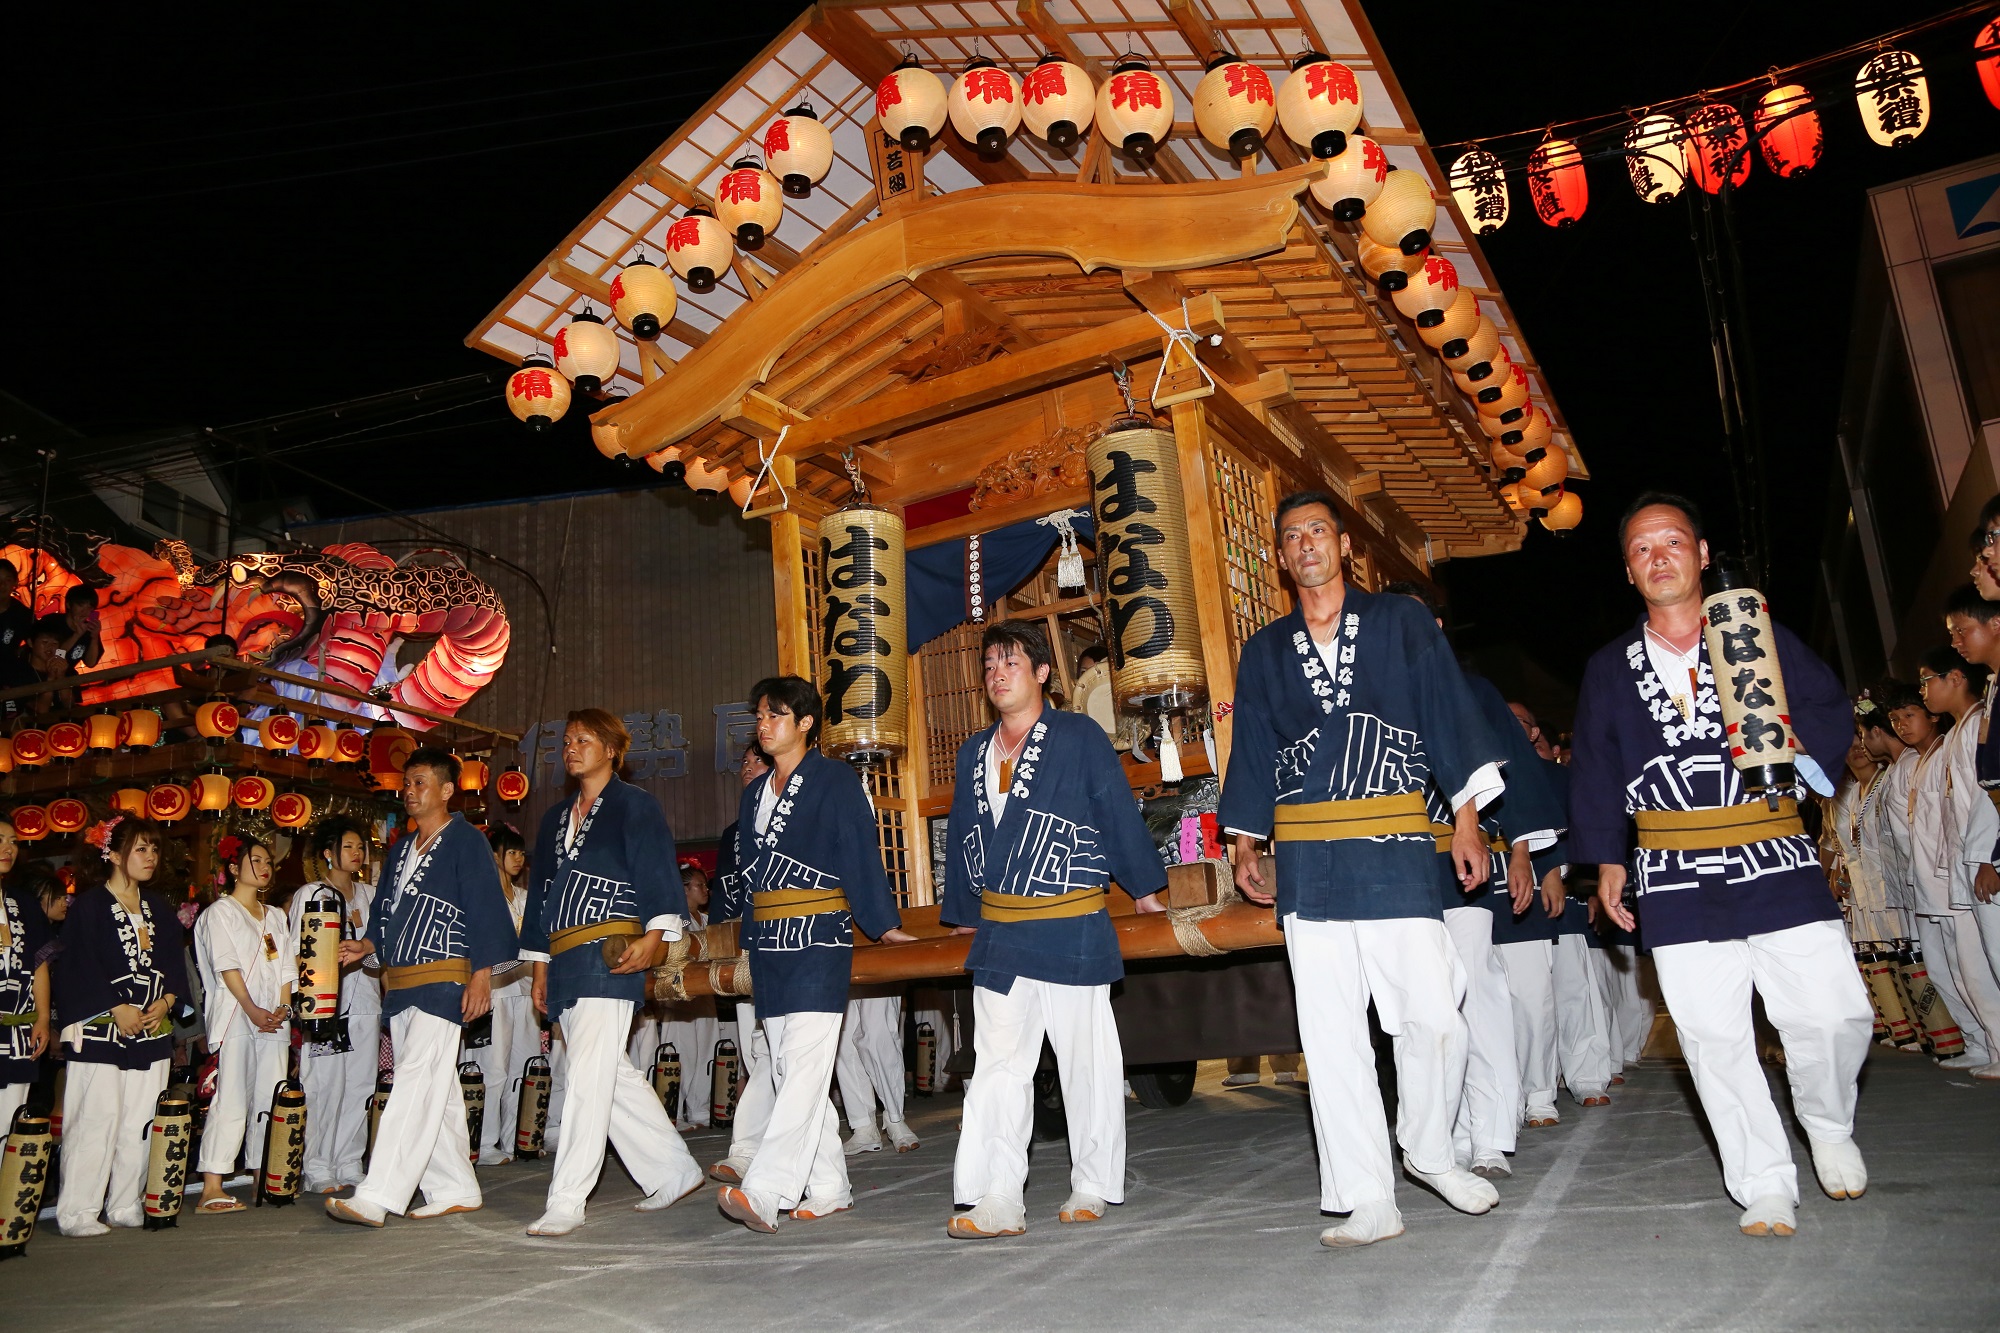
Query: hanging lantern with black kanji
1234, 105
1319, 104
1656, 158
1147, 566
1894, 98
1479, 188
1557, 182
1718, 147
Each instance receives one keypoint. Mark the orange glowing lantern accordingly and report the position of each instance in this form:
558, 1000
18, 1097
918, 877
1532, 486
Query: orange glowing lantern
1235, 105
1459, 319
316, 743
643, 298
1429, 292
1557, 183
389, 748
1135, 108
1057, 101
1390, 267
1540, 502
253, 792
512, 785
139, 729
705, 478
910, 103
1319, 104
1403, 214
1894, 98
1788, 131
798, 150
586, 352
6, 755
217, 719
100, 731
292, 810
698, 248
1547, 467
1476, 361
984, 105
749, 202
1536, 432
132, 800
67, 740
168, 802
1565, 513
350, 746
1718, 147
279, 731
1511, 494
210, 792
1353, 179
1479, 188
67, 815
31, 747
1986, 56
536, 394
472, 775
31, 822
1484, 391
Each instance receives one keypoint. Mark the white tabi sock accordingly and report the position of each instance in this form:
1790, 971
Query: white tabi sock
1368, 1223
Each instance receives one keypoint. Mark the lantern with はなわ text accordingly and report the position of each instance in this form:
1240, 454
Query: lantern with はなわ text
643, 298
1894, 98
798, 150
1135, 108
984, 106
1749, 683
1234, 105
865, 634
1718, 147
1353, 180
586, 352
1319, 104
1656, 158
1057, 101
1403, 213
1479, 188
910, 104
1557, 182
536, 394
698, 248
748, 201
1788, 131
1147, 566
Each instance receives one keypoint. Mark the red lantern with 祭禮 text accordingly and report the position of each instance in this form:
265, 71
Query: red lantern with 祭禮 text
1135, 108
1718, 147
67, 740
168, 802
1557, 183
749, 202
536, 394
798, 150
910, 104
291, 810
279, 731
1353, 180
252, 792
1403, 213
511, 785
1894, 98
1057, 101
67, 815
698, 248
139, 729
643, 298
1234, 105
1429, 292
31, 822
1319, 104
984, 106
1479, 188
586, 352
31, 747
1986, 55
1788, 131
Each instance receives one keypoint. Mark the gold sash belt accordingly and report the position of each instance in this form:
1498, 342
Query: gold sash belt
427, 974
1731, 826
1494, 841
778, 904
1021, 907
565, 940
1370, 817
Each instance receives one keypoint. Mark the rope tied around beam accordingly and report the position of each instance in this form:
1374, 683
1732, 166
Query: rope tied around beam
674, 966
1186, 922
737, 972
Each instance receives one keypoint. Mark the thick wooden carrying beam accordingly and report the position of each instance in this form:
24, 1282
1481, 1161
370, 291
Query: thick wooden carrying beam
1123, 227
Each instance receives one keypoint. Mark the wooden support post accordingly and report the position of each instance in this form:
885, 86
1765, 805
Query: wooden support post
788, 583
1211, 573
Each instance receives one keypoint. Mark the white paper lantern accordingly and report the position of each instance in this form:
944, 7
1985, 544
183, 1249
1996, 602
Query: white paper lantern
910, 103
1234, 105
586, 352
1135, 107
1479, 188
748, 201
985, 106
1319, 104
643, 298
699, 248
1353, 179
1403, 213
798, 150
1057, 101
1894, 98
1656, 158
536, 394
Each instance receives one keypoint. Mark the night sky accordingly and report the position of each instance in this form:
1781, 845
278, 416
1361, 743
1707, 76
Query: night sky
218, 222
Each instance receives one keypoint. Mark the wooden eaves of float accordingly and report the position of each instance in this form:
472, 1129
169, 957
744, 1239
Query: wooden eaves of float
944, 328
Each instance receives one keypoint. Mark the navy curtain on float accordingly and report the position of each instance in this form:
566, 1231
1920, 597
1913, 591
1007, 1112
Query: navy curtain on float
934, 576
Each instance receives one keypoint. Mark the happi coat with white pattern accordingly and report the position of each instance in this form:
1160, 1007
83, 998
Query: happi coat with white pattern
451, 907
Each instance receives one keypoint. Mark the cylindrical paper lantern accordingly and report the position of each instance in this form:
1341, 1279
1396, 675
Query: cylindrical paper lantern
389, 746
1447, 336
168, 802
1234, 105
31, 747
1894, 98
6, 754
139, 729
316, 743
1148, 570
536, 394
472, 774
865, 634
67, 740
1479, 188
1353, 180
217, 719
1718, 147
643, 297
1656, 158
132, 800
291, 810
31, 822
1788, 131
1557, 183
67, 815
1319, 104
512, 785
586, 352
798, 150
1986, 56
100, 731
1057, 101
318, 991
749, 202
350, 745
910, 103
1135, 108
698, 248
1390, 267
1429, 292
1403, 214
211, 792
1743, 653
253, 792
1565, 513
279, 731
984, 105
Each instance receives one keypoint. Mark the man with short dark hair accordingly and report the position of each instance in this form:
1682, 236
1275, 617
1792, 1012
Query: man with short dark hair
83, 645
440, 923
1042, 819
1730, 890
1347, 710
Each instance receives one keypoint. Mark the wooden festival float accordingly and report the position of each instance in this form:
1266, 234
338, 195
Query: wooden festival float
896, 289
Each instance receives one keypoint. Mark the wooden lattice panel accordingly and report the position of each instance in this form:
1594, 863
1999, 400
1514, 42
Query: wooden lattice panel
892, 824
954, 697
815, 568
1245, 508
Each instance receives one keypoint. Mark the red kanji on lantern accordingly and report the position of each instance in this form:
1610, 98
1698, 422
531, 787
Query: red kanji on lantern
534, 383
1331, 80
778, 138
684, 233
617, 290
1247, 82
887, 94
1441, 273
1372, 157
1135, 88
1043, 82
740, 187
562, 343
988, 85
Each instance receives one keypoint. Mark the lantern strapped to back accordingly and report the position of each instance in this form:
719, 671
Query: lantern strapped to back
1057, 100
1894, 98
984, 105
798, 150
1353, 180
1234, 105
1148, 569
698, 248
1430, 290
1986, 56
1557, 183
1788, 131
1402, 213
1743, 654
1135, 107
747, 202
1319, 104
643, 298
910, 103
865, 634
1479, 188
1718, 147
586, 352
536, 394
1656, 158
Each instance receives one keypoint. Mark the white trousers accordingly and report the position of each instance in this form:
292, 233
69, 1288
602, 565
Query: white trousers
337, 1088
1583, 1018
106, 1112
645, 1042
13, 1096
1631, 1009
693, 1039
611, 1101
1957, 963
799, 1157
558, 1088
1408, 966
421, 1139
1530, 969
1007, 1032
760, 1089
870, 1063
515, 1037
1986, 918
1815, 998
247, 1073
1489, 1111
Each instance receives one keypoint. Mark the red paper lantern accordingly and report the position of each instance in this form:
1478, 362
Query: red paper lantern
512, 785
31, 822
67, 815
1557, 183
292, 810
1718, 147
67, 740
169, 801
253, 793
1788, 131
1986, 54
31, 747
389, 747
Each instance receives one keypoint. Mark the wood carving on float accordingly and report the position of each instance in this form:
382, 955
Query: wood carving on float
334, 614
948, 352
1056, 464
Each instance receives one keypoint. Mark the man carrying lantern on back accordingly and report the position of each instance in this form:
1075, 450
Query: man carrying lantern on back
1697, 753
